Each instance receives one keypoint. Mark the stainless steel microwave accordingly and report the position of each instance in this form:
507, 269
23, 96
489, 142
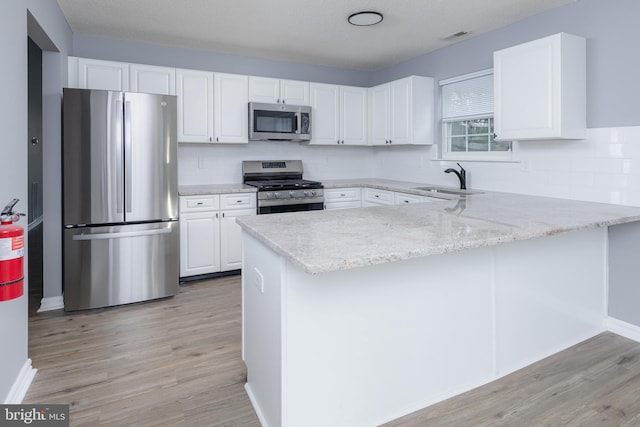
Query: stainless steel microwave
279, 122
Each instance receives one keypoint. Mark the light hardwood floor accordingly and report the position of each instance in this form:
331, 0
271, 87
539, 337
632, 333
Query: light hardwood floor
176, 362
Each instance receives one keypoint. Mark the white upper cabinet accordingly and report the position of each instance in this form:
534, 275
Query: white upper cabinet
294, 92
152, 79
339, 114
264, 89
379, 114
540, 89
231, 96
98, 74
325, 114
195, 105
402, 112
353, 115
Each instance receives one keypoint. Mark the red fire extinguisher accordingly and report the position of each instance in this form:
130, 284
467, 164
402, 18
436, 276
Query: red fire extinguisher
11, 254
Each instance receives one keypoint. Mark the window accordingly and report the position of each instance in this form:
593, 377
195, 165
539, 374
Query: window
467, 119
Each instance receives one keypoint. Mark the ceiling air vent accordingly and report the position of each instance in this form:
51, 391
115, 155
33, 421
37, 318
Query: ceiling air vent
455, 36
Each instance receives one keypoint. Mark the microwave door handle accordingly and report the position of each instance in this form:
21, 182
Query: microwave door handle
298, 123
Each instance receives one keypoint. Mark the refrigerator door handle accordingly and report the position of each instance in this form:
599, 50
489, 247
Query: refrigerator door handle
117, 235
116, 136
128, 170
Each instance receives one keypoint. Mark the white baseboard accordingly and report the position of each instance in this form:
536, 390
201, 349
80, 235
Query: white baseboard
21, 384
256, 407
625, 329
51, 303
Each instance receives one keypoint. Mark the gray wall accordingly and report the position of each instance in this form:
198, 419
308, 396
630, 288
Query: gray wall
624, 272
612, 32
13, 162
609, 25
146, 53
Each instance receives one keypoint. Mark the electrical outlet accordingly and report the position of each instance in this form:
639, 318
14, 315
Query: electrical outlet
258, 280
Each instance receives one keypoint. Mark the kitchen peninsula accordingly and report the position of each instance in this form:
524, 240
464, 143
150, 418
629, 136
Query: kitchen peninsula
356, 317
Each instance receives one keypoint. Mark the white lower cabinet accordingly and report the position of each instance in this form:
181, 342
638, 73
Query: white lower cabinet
374, 196
342, 198
406, 198
210, 239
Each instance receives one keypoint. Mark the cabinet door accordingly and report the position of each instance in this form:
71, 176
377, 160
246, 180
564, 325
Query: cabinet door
199, 243
325, 102
103, 75
530, 73
379, 115
231, 239
152, 79
353, 115
294, 92
264, 89
401, 112
540, 89
341, 198
231, 96
195, 105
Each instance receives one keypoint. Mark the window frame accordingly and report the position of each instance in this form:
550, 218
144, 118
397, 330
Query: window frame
447, 154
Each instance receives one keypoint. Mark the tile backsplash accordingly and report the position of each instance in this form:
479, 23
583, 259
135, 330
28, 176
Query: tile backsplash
603, 167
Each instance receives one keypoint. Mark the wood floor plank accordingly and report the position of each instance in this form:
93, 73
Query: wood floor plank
177, 362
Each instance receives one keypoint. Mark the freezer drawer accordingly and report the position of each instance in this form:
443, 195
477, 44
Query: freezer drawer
107, 266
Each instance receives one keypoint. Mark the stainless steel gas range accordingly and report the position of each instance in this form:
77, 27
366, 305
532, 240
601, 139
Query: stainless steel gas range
281, 187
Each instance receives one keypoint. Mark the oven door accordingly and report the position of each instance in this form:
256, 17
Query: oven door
314, 206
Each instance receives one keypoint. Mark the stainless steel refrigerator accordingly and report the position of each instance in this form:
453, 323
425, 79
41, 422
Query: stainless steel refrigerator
120, 198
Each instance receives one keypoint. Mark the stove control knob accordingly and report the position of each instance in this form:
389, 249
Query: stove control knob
292, 193
305, 193
276, 195
313, 193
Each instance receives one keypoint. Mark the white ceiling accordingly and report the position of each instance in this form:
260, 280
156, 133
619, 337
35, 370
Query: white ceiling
307, 31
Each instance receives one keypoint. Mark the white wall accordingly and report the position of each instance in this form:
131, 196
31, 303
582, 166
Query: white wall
604, 167
222, 164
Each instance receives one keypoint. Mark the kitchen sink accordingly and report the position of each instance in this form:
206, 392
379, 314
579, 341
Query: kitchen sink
448, 191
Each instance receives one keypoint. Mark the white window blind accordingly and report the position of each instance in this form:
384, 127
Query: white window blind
468, 97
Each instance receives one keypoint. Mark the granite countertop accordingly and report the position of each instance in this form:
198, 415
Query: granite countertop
199, 190
324, 241
392, 185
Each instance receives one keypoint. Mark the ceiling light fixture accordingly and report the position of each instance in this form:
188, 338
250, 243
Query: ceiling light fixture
365, 18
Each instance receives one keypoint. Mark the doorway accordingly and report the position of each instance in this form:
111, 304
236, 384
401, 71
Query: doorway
34, 144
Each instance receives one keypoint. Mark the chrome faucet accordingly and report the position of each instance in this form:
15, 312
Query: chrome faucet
462, 176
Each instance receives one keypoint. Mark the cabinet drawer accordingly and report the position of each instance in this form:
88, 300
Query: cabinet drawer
342, 195
341, 205
199, 203
381, 197
404, 198
238, 200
